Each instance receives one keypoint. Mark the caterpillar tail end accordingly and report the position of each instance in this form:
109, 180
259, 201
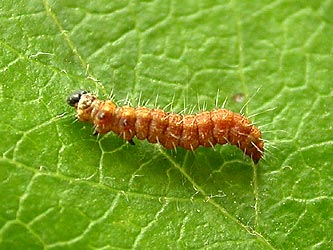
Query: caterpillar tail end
256, 160
257, 152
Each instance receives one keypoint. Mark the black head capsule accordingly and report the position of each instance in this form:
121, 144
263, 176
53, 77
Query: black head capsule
75, 97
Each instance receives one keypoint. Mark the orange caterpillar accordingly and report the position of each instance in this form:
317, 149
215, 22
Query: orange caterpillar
208, 128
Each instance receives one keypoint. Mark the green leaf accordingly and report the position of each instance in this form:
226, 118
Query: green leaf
63, 188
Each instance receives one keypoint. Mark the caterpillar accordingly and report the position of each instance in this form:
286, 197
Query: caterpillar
207, 128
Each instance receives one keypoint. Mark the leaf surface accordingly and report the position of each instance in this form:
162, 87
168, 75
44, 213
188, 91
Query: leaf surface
63, 188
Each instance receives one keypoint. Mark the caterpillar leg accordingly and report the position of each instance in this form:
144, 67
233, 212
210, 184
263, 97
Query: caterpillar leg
131, 142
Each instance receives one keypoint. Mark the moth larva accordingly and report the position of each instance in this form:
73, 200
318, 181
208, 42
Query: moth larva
208, 128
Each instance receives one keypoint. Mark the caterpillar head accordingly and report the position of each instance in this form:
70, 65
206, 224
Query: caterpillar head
75, 97
84, 103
